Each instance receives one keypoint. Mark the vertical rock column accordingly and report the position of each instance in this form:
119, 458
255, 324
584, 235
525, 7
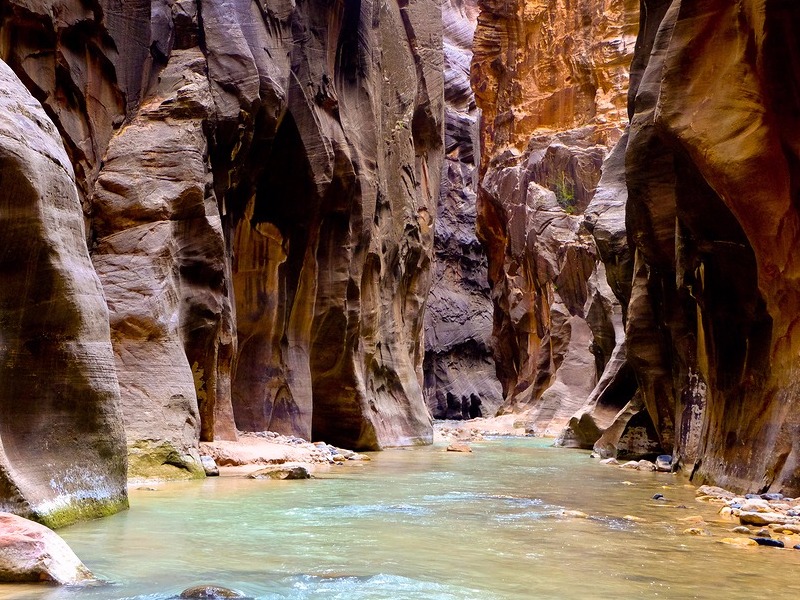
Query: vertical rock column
62, 449
458, 322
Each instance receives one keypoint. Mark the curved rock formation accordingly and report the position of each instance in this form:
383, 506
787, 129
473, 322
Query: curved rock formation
258, 182
61, 440
712, 167
551, 79
458, 322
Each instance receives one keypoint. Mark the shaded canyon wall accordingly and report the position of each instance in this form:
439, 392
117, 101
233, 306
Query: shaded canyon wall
256, 185
460, 374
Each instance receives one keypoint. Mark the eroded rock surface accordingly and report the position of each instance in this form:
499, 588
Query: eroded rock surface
459, 365
712, 167
551, 79
56, 362
259, 184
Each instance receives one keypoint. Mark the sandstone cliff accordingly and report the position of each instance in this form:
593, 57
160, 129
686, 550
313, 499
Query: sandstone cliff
458, 323
551, 79
258, 182
712, 170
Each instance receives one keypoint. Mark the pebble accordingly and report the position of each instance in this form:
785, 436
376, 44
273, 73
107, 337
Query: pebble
763, 533
741, 529
658, 497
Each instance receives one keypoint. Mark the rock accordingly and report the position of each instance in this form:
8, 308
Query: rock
360, 457
773, 497
32, 552
459, 447
460, 372
575, 514
645, 465
557, 317
609, 461
664, 463
209, 466
796, 546
741, 529
633, 518
739, 541
717, 492
62, 449
631, 464
729, 265
756, 505
761, 541
281, 472
696, 531
762, 518
209, 592
763, 533
791, 528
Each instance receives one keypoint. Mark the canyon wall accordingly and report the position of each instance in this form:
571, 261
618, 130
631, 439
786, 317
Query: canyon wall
551, 79
256, 185
713, 166
459, 368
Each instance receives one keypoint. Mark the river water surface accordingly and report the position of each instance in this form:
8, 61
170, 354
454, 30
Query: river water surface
425, 524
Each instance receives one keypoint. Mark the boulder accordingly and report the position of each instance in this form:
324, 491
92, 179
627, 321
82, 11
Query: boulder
32, 552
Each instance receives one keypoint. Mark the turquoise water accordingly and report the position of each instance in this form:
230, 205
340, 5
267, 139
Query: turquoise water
430, 525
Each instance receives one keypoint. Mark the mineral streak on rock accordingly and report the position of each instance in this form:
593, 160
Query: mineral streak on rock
712, 167
551, 79
62, 451
458, 321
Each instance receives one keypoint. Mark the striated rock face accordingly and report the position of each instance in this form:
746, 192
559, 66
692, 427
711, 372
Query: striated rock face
56, 362
258, 183
458, 323
551, 79
712, 168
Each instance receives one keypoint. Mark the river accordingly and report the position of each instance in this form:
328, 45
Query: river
429, 525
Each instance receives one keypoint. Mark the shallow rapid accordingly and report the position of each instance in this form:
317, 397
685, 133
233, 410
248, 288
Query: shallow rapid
430, 525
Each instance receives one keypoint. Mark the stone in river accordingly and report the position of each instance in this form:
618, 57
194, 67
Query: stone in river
209, 466
741, 529
209, 592
761, 541
32, 552
459, 447
664, 463
281, 472
772, 496
742, 542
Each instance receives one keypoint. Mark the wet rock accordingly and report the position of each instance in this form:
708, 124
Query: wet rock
741, 529
763, 533
459, 447
658, 497
209, 592
717, 492
209, 466
32, 552
664, 463
762, 518
281, 472
645, 465
609, 461
741, 542
696, 531
762, 541
575, 514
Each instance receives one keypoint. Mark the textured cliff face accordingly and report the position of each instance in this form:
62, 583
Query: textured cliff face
551, 79
459, 366
258, 182
712, 176
56, 361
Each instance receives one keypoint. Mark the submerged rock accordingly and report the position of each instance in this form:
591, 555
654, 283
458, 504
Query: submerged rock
32, 552
209, 592
281, 472
459, 447
741, 542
